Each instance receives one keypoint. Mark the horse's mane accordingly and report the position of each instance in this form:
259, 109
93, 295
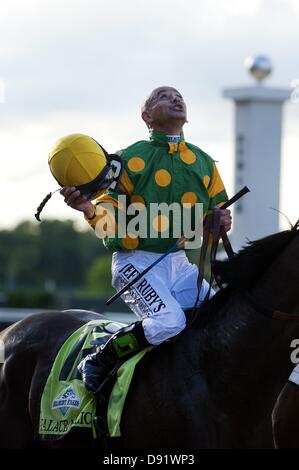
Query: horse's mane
243, 271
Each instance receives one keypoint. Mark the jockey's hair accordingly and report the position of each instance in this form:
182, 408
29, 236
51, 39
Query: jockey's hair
147, 106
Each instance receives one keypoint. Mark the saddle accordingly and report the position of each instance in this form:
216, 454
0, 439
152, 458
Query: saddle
66, 405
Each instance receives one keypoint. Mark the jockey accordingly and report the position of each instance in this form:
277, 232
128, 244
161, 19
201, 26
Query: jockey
164, 169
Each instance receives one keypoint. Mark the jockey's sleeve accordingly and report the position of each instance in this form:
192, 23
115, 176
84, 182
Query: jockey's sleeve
216, 190
110, 198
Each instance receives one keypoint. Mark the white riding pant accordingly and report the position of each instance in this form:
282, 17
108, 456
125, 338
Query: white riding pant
161, 296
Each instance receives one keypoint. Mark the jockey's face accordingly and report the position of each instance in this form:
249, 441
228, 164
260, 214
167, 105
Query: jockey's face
165, 107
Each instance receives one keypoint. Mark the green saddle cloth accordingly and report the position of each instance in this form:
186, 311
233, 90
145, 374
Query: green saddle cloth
65, 402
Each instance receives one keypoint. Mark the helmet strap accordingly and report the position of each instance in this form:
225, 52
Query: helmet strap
43, 203
102, 181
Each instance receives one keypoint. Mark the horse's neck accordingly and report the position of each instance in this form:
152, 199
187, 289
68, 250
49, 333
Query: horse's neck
278, 288
243, 338
240, 360
245, 356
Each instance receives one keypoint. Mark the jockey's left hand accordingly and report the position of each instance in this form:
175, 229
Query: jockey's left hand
226, 219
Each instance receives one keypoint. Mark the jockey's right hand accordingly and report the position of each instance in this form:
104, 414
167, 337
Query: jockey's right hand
73, 198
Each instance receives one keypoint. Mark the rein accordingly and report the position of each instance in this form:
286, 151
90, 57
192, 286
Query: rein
212, 233
269, 312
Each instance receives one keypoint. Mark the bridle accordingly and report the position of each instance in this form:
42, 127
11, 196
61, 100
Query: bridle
268, 312
212, 234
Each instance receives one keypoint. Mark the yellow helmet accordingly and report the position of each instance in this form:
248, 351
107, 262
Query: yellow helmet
79, 160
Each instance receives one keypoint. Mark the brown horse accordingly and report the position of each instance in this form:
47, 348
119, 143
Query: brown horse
286, 418
214, 387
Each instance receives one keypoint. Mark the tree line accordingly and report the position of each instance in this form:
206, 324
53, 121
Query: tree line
53, 264
53, 256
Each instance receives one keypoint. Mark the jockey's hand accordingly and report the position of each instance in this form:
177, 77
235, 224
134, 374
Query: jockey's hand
73, 198
226, 219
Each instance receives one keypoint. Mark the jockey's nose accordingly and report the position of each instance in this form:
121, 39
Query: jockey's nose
176, 99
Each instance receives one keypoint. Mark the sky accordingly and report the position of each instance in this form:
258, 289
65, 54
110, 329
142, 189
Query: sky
86, 66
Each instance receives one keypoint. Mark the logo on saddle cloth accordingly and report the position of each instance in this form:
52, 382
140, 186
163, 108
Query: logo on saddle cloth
66, 401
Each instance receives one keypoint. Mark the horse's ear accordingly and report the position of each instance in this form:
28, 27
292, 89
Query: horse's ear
296, 226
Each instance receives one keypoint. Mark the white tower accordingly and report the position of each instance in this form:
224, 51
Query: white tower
258, 129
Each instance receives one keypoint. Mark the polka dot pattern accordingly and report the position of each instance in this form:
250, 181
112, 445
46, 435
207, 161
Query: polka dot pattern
106, 225
189, 198
206, 180
130, 242
162, 178
187, 156
161, 223
136, 164
138, 202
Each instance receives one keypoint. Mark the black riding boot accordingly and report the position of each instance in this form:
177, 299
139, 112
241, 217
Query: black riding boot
96, 367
